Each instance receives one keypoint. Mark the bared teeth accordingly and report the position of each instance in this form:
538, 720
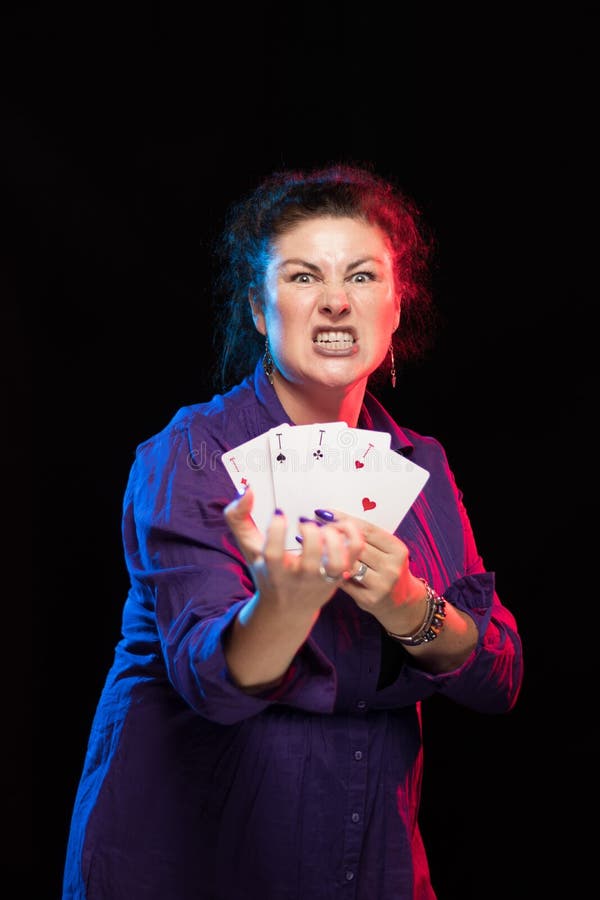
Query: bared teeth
334, 337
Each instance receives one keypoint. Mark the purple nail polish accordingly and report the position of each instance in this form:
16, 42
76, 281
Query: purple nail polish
304, 519
278, 512
299, 539
325, 514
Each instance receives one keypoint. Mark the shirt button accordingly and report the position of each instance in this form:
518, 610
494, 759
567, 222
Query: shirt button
349, 876
362, 704
358, 754
355, 817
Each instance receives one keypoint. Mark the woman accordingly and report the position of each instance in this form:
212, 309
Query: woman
259, 733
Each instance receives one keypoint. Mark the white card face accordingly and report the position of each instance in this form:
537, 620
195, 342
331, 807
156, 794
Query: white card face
382, 493
250, 463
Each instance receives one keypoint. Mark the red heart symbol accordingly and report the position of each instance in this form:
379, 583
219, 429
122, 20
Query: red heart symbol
368, 504
358, 464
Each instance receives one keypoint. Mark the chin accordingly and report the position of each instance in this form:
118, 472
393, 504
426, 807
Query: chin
341, 380
340, 374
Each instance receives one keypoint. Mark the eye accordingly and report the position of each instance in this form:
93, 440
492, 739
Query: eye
362, 277
303, 277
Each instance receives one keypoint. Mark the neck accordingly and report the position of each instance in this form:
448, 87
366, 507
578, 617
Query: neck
305, 405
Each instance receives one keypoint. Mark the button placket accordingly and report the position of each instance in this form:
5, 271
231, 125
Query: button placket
358, 738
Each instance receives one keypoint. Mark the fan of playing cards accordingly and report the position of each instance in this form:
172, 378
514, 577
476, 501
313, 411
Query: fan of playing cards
300, 468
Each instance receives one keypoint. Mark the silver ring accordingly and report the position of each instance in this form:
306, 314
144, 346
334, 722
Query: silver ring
330, 579
360, 572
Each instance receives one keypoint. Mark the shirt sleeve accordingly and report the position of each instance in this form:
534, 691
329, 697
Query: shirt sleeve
490, 679
189, 580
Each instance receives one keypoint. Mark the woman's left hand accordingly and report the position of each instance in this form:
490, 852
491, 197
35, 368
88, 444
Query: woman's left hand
387, 589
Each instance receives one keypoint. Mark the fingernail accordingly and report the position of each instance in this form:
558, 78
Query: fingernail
299, 539
325, 514
304, 519
278, 512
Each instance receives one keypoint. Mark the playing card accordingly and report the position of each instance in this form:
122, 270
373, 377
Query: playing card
250, 463
382, 493
301, 457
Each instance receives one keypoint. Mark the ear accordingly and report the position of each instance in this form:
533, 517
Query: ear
398, 305
258, 316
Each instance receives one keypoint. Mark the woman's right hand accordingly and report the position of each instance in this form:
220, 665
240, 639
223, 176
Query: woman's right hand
295, 578
291, 587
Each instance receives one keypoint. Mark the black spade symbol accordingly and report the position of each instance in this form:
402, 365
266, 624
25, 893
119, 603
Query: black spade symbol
280, 457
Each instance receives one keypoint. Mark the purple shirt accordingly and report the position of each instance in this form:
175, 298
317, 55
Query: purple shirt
195, 790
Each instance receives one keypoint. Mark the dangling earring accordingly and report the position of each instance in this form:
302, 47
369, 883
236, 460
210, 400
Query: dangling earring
268, 364
392, 366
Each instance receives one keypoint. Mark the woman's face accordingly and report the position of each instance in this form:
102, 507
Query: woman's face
330, 305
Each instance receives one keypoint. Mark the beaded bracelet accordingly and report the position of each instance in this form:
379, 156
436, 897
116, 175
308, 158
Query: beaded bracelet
432, 623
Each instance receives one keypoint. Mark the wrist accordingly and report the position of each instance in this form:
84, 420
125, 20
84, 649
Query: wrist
431, 624
407, 614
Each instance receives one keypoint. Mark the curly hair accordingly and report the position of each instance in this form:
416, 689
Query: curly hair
282, 201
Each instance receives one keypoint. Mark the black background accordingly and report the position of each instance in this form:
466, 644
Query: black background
127, 132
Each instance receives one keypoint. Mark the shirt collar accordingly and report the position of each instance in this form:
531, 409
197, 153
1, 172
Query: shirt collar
267, 398
372, 415
375, 417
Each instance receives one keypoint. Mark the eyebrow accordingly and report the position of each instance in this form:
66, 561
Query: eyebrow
314, 268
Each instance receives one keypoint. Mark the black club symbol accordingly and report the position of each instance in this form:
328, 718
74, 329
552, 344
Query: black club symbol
318, 454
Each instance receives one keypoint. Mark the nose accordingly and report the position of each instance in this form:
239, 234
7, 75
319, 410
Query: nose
334, 301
